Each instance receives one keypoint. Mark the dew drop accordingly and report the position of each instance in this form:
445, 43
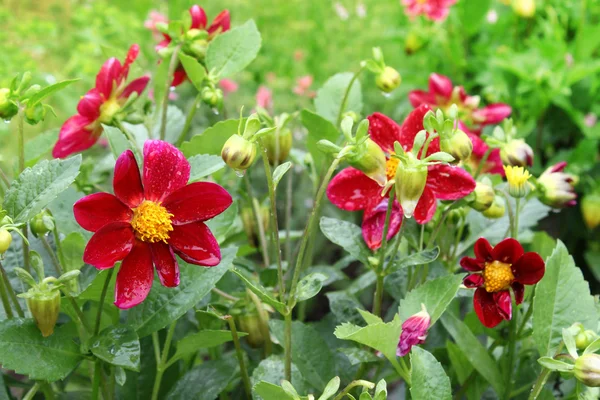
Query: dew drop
215, 111
386, 95
7, 121
240, 173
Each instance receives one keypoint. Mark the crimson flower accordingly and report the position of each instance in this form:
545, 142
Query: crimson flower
414, 331
149, 219
494, 271
220, 24
435, 10
99, 105
352, 190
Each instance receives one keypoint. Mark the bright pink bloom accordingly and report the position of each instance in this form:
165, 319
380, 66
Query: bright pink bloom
494, 271
264, 98
155, 17
435, 10
352, 190
99, 105
228, 86
414, 331
149, 219
303, 85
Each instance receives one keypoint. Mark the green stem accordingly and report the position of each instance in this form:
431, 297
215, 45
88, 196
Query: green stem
482, 162
263, 319
525, 320
156, 344
511, 353
11, 291
539, 383
78, 312
352, 385
346, 94
4, 178
393, 258
165, 100
131, 139
288, 218
240, 357
515, 232
55, 262
402, 370
258, 220
188, 120
5, 300
378, 296
21, 119
32, 392
288, 345
161, 366
96, 380
102, 298
386, 228
439, 226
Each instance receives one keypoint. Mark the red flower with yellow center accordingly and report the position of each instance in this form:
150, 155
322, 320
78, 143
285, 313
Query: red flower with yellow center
149, 219
496, 270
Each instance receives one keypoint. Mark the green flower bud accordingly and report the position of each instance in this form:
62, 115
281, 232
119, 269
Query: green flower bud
497, 209
584, 338
281, 137
590, 208
412, 43
44, 306
517, 153
35, 114
587, 370
410, 183
33, 89
455, 215
5, 240
370, 159
388, 80
250, 323
484, 197
238, 153
41, 224
212, 96
524, 8
249, 222
457, 144
8, 109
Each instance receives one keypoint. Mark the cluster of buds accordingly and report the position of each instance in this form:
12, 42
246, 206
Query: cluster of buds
513, 150
453, 141
387, 78
590, 207
277, 143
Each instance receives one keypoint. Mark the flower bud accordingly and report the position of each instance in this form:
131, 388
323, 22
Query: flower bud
5, 240
456, 214
497, 209
457, 144
35, 114
410, 183
524, 8
587, 369
281, 137
212, 96
250, 323
249, 222
484, 197
388, 80
518, 177
41, 224
238, 152
414, 331
8, 109
584, 338
44, 307
517, 153
557, 188
370, 159
590, 208
412, 43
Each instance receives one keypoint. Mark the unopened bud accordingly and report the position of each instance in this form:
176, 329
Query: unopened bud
410, 183
370, 159
517, 153
557, 187
414, 331
5, 240
41, 224
457, 144
44, 307
587, 369
484, 197
8, 109
524, 8
412, 43
388, 80
35, 114
249, 223
282, 138
497, 209
238, 152
250, 323
590, 208
212, 96
457, 214
584, 338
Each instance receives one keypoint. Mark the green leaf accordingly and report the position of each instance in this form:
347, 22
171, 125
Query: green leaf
310, 352
205, 381
269, 391
232, 51
202, 340
381, 390
211, 141
165, 305
358, 355
369, 318
382, 336
473, 15
261, 293
329, 97
348, 236
474, 351
194, 70
39, 145
160, 83
73, 246
420, 258
36, 187
344, 306
310, 286
24, 350
318, 129
48, 91
555, 365
436, 294
204, 165
429, 380
174, 127
271, 370
562, 298
331, 388
280, 172
117, 141
118, 346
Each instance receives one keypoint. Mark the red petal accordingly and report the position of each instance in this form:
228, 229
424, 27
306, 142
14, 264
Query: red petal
519, 291
425, 207
412, 125
492, 114
473, 280
508, 251
352, 190
134, 279
162, 44
448, 182
137, 85
197, 201
178, 77
483, 250
165, 263
221, 23
89, 105
74, 136
418, 97
440, 85
384, 131
165, 170
486, 308
96, 210
110, 244
529, 269
504, 303
472, 264
132, 54
195, 244
198, 17
374, 221
127, 183
108, 75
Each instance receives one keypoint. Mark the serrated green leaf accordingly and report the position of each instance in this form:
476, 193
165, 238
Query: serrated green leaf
344, 306
428, 378
562, 298
118, 346
39, 146
203, 340
261, 293
24, 350
369, 318
419, 258
329, 97
347, 235
318, 129
269, 391
37, 186
280, 172
194, 70
310, 286
165, 305
48, 91
117, 141
232, 51
205, 381
331, 388
435, 294
72, 247
382, 336
357, 355
203, 165
271, 370
211, 141
174, 126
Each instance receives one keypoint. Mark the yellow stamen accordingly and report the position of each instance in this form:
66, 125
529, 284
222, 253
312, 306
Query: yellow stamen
390, 167
497, 276
517, 180
151, 222
108, 109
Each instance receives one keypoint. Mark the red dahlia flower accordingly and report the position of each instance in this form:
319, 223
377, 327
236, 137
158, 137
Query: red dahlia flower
495, 270
99, 105
352, 190
435, 10
149, 219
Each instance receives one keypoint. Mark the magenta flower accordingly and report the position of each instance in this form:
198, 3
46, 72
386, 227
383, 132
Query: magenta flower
264, 98
414, 331
435, 10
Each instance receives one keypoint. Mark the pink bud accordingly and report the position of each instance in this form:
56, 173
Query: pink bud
414, 331
264, 97
440, 85
228, 86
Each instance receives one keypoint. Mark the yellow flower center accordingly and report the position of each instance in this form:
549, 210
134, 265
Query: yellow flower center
390, 167
516, 176
497, 276
151, 222
108, 109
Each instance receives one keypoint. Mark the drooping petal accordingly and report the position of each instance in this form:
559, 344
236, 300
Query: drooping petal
412, 125
89, 105
109, 244
76, 135
195, 243
137, 85
108, 75
96, 210
162, 44
449, 182
492, 114
165, 170
486, 308
135, 277
483, 250
374, 222
519, 290
418, 97
127, 183
440, 85
508, 251
165, 263
197, 201
504, 303
221, 23
132, 54
179, 76
529, 269
384, 131
472, 264
425, 207
473, 280
352, 190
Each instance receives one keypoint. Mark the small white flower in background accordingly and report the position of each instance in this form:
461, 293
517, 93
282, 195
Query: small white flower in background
569, 59
590, 119
341, 11
491, 17
361, 10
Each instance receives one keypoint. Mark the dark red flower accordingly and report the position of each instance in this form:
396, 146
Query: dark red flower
494, 271
352, 190
99, 105
149, 219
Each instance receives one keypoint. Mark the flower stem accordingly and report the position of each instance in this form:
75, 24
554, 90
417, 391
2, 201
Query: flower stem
482, 162
288, 218
346, 94
134, 145
11, 291
57, 267
96, 380
32, 391
288, 345
240, 357
263, 320
352, 385
5, 300
511, 353
539, 383
188, 120
165, 102
160, 367
259, 222
515, 232
401, 369
102, 298
21, 168
378, 296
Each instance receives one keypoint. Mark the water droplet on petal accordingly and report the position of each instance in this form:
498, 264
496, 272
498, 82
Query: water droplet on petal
240, 173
